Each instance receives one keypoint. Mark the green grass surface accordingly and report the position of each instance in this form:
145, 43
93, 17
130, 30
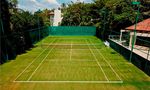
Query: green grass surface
82, 60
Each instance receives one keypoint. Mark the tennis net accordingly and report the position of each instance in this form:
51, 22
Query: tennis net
72, 46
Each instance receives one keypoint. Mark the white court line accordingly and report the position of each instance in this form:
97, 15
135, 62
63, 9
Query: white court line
32, 62
70, 38
69, 82
73, 49
86, 53
98, 64
108, 63
74, 60
40, 64
73, 44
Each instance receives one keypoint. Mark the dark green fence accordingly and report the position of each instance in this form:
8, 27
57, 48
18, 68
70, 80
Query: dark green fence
72, 30
137, 60
17, 43
38, 34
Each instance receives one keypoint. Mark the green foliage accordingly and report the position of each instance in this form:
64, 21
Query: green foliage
77, 14
5, 30
15, 25
21, 23
106, 15
44, 14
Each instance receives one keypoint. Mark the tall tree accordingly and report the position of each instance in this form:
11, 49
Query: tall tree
16, 27
7, 50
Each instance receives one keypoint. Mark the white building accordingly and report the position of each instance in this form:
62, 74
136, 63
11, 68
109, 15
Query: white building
57, 17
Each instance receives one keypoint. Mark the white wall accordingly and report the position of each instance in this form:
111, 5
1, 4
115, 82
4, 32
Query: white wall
57, 17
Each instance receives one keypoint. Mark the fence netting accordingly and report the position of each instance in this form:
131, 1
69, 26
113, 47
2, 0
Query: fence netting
141, 44
72, 30
136, 51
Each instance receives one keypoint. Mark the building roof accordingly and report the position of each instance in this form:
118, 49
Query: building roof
51, 13
141, 26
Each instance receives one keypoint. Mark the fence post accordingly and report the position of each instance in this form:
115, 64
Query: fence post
39, 27
134, 37
147, 59
148, 53
104, 22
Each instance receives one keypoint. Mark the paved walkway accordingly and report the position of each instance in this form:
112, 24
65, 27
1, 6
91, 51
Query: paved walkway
139, 50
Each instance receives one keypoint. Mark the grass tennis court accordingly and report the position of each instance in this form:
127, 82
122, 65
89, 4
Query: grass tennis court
74, 63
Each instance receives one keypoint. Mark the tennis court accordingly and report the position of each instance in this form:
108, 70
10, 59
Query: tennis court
70, 60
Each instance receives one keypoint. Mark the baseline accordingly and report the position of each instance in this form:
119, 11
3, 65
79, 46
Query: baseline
102, 82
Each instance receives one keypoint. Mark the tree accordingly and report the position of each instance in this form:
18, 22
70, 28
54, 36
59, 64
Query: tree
17, 30
106, 15
44, 15
7, 50
72, 14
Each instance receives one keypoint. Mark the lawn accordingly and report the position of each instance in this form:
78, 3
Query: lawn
71, 63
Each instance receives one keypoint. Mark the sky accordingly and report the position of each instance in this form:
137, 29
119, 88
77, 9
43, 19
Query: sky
34, 5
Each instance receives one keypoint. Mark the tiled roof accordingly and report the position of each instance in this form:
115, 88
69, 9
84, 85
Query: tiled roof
51, 13
141, 26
